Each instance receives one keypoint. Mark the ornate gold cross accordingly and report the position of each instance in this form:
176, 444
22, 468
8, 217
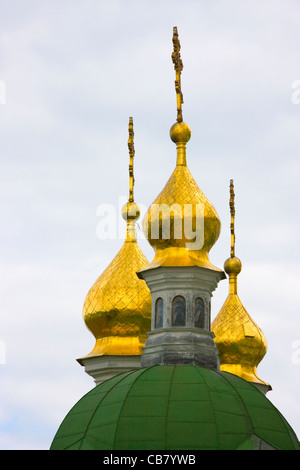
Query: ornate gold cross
178, 66
232, 213
131, 155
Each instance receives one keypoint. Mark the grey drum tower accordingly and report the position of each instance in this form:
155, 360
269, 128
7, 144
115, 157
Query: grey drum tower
180, 322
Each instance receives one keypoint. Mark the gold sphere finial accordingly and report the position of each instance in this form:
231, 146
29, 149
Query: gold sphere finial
233, 265
180, 132
130, 211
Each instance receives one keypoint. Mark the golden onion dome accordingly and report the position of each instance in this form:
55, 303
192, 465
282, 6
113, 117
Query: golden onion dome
241, 343
181, 224
117, 309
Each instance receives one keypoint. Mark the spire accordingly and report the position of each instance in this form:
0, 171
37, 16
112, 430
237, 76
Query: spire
180, 132
131, 210
117, 308
240, 341
232, 265
181, 224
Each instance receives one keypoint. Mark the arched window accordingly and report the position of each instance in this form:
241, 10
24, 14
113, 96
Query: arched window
199, 313
159, 313
178, 311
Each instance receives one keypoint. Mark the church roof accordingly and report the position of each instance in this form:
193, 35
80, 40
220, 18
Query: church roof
171, 408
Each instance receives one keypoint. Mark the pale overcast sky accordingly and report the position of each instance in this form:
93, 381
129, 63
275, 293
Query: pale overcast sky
72, 73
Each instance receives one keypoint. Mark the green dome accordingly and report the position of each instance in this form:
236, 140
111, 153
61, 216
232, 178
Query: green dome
171, 408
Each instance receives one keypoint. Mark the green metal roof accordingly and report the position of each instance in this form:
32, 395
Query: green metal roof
171, 408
